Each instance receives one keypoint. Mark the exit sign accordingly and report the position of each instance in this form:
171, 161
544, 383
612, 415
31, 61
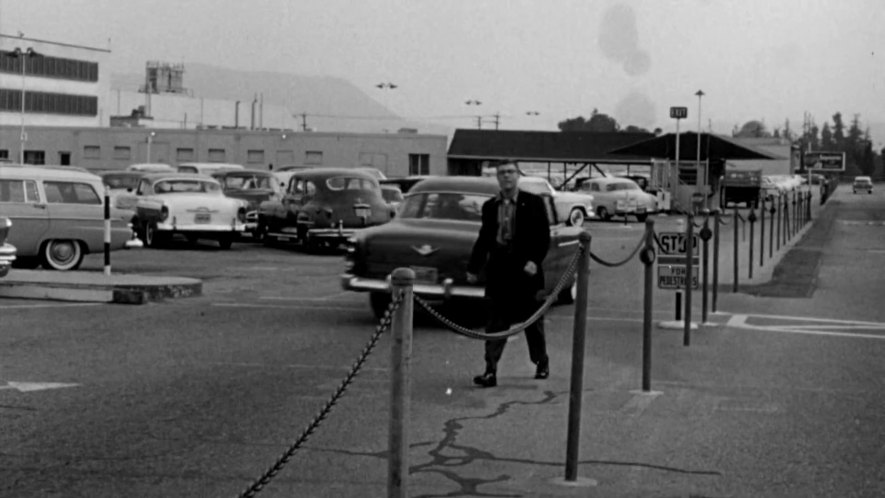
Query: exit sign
679, 112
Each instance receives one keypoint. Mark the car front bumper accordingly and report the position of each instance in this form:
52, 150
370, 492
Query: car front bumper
7, 256
201, 228
445, 290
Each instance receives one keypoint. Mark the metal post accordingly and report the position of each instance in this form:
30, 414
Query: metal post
648, 303
780, 214
400, 363
762, 234
771, 211
678, 315
808, 207
705, 238
751, 219
107, 230
734, 286
715, 259
23, 137
577, 375
689, 256
786, 218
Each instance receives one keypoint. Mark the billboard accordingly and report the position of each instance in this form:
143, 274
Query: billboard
825, 161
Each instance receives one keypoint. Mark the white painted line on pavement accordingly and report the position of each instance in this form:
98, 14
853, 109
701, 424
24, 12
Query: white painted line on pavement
25, 387
322, 298
812, 319
740, 322
48, 305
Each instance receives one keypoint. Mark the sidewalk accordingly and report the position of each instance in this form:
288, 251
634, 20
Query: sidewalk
91, 286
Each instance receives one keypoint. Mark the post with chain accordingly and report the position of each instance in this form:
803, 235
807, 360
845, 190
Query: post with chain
578, 352
780, 215
752, 219
647, 256
762, 233
736, 253
787, 215
715, 259
706, 234
808, 208
795, 215
400, 359
689, 256
107, 230
771, 211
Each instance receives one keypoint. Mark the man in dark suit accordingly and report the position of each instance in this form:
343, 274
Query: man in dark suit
511, 246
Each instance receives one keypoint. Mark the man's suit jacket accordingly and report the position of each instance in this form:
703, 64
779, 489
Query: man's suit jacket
531, 239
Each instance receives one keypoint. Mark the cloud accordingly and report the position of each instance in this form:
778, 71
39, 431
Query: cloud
635, 109
619, 40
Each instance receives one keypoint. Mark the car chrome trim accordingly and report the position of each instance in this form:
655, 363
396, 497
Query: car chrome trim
569, 243
354, 283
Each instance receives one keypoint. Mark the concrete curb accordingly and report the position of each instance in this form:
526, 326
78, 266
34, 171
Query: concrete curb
95, 287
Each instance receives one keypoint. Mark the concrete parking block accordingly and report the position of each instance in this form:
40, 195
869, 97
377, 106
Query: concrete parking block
84, 286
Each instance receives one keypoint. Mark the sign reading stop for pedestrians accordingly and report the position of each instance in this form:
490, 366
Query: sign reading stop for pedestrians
671, 263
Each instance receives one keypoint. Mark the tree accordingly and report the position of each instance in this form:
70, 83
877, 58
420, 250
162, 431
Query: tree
753, 129
826, 138
838, 131
635, 129
867, 159
598, 121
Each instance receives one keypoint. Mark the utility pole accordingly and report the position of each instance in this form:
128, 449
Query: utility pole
303, 116
497, 117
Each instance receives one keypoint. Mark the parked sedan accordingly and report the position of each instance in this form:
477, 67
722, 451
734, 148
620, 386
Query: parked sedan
7, 251
251, 185
862, 184
434, 234
323, 207
571, 207
122, 187
619, 196
186, 204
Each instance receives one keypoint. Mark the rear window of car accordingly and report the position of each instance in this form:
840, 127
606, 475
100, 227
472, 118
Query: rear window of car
18, 191
444, 206
350, 183
185, 186
249, 182
70, 193
127, 181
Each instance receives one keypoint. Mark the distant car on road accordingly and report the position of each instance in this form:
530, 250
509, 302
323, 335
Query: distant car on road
323, 207
7, 251
206, 168
58, 215
189, 205
571, 207
862, 184
434, 233
614, 196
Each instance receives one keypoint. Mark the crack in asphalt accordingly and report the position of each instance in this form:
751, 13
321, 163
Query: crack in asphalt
440, 461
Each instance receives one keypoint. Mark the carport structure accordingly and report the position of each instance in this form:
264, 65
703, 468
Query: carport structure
569, 153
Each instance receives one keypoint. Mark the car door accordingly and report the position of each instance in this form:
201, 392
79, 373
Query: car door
563, 244
75, 211
20, 201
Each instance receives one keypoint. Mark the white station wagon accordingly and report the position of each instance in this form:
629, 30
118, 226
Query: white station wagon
189, 205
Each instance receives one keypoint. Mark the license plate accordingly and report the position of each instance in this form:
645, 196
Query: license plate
425, 275
202, 218
362, 212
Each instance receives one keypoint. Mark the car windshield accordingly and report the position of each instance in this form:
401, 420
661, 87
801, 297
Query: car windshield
443, 206
350, 183
392, 194
123, 181
186, 186
249, 182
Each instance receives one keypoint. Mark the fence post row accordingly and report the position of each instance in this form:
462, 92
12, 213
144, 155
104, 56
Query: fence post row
402, 280
578, 352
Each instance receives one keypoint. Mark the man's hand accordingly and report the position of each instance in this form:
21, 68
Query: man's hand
472, 278
530, 268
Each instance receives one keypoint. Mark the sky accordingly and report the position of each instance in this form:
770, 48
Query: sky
534, 63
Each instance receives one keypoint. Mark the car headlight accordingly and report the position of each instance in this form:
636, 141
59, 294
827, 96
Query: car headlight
164, 213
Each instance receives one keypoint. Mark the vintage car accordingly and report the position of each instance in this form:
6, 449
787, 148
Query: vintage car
433, 234
392, 194
323, 207
122, 187
189, 205
741, 187
7, 251
150, 167
58, 214
619, 196
251, 185
206, 168
572, 207
862, 184
404, 183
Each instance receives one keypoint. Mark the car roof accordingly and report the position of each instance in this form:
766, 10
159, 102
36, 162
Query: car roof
173, 175
327, 172
122, 173
467, 184
150, 167
46, 172
234, 172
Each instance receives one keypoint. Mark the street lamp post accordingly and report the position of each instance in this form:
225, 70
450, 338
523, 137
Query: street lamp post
700, 93
478, 117
24, 55
386, 86
150, 140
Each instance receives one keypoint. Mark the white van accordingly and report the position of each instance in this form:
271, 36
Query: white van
206, 168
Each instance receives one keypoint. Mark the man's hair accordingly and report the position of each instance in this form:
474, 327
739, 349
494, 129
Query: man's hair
508, 163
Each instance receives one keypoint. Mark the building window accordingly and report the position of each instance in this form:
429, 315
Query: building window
419, 164
373, 160
313, 157
216, 155
35, 157
122, 152
4, 153
255, 156
91, 152
49, 103
49, 67
184, 154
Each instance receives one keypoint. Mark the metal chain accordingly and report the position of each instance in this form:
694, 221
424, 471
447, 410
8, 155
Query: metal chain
620, 263
271, 472
514, 329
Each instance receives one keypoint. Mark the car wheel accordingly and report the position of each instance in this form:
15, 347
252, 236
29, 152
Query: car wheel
61, 254
225, 242
602, 213
576, 217
379, 301
151, 237
569, 294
